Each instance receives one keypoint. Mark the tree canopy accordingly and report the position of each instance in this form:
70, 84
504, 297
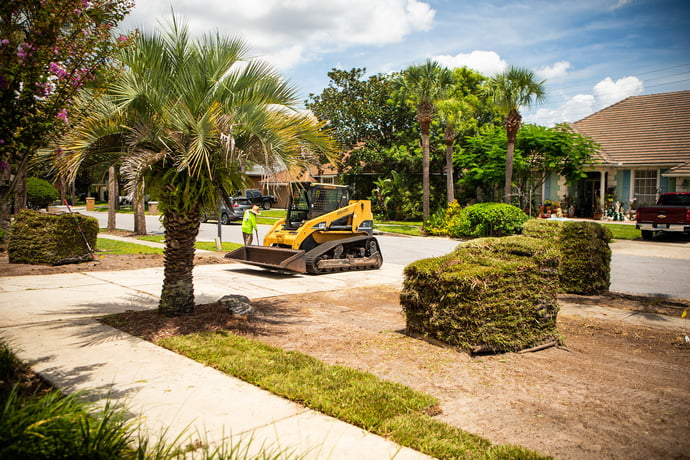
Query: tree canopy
190, 113
539, 151
49, 50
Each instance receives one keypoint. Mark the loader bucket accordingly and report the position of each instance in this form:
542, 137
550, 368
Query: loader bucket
270, 258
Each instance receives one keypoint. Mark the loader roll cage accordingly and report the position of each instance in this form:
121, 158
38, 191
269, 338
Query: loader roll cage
309, 201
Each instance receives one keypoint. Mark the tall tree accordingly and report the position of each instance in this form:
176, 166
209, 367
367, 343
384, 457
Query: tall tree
456, 117
422, 85
357, 108
539, 152
191, 113
511, 90
48, 51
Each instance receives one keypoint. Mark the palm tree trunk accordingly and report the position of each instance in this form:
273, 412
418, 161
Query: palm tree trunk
177, 297
512, 122
508, 190
450, 182
425, 172
113, 197
138, 205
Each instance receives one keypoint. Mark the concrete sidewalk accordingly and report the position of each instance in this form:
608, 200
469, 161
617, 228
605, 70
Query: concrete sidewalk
50, 321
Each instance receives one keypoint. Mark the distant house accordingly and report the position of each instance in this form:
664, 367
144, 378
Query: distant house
278, 183
645, 151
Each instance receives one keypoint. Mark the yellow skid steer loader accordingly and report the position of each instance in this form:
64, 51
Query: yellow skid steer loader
322, 232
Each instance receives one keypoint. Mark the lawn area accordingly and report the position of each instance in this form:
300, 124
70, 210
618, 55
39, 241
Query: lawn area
402, 228
623, 231
389, 409
205, 245
123, 247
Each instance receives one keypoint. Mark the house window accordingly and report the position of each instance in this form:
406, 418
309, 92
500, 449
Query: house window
645, 186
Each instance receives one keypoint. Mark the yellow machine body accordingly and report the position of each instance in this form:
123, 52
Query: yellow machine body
323, 231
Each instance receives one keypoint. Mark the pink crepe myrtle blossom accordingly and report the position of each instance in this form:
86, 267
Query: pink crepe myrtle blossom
44, 89
24, 51
5, 41
57, 70
62, 115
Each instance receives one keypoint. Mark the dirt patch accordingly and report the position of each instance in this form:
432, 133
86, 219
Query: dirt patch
614, 391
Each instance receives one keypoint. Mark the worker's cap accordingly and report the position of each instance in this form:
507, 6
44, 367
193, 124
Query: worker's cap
255, 209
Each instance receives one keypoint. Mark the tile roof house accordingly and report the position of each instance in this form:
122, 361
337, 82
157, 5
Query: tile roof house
645, 151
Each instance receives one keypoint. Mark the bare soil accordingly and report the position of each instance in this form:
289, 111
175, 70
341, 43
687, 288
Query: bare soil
613, 391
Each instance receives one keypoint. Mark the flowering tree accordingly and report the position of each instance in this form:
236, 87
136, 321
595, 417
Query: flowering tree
49, 50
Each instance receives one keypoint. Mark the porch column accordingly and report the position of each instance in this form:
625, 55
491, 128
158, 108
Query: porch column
602, 191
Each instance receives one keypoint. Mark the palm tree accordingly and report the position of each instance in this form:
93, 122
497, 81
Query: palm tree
510, 90
191, 113
422, 85
455, 115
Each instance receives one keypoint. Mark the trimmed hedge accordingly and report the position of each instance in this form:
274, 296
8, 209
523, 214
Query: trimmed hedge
41, 238
478, 220
40, 193
489, 295
585, 255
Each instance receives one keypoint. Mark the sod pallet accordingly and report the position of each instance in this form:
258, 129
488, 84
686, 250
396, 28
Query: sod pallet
585, 255
43, 238
489, 295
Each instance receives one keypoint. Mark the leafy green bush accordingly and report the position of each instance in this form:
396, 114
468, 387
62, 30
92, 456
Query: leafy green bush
440, 222
478, 220
491, 219
40, 193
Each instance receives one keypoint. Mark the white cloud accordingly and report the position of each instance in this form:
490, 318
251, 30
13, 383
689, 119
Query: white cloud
292, 32
574, 109
604, 94
554, 72
488, 63
608, 92
620, 4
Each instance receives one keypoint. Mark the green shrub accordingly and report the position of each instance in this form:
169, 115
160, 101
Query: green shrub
478, 220
41, 238
490, 294
585, 255
440, 222
490, 219
40, 193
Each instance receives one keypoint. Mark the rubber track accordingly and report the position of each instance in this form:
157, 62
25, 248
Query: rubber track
321, 249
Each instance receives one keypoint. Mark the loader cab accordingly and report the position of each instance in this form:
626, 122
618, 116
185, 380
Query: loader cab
309, 201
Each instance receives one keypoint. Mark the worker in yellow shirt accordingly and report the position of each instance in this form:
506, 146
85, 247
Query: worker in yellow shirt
249, 224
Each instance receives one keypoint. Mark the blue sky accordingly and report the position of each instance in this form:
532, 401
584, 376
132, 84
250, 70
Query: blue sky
592, 53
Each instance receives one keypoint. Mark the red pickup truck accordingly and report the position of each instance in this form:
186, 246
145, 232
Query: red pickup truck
671, 214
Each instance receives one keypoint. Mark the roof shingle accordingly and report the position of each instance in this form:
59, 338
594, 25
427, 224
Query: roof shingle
651, 130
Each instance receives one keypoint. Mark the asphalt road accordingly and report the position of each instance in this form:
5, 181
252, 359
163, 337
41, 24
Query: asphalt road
660, 267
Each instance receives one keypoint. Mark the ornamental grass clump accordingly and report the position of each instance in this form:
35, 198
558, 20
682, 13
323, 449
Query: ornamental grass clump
40, 238
489, 295
585, 255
